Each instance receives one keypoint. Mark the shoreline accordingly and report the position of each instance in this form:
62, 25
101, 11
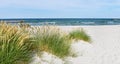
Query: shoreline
76, 25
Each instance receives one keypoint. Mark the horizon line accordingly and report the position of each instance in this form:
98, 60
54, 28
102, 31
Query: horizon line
52, 18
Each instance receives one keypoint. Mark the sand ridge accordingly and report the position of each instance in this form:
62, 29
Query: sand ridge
104, 49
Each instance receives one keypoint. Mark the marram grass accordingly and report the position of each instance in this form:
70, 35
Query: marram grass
18, 42
79, 35
14, 45
50, 39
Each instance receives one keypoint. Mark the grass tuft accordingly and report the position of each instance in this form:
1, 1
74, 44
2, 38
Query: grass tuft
50, 39
79, 35
14, 45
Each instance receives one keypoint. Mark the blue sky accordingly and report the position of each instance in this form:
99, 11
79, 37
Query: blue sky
59, 8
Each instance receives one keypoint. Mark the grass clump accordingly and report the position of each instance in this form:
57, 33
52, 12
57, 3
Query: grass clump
50, 39
79, 35
17, 42
14, 45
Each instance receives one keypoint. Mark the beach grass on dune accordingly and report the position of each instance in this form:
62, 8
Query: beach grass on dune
79, 34
18, 42
14, 45
50, 39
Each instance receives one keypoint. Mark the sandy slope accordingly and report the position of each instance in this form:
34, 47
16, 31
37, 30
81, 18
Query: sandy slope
105, 46
104, 49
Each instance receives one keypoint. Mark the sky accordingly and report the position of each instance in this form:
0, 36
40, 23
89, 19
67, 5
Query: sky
59, 8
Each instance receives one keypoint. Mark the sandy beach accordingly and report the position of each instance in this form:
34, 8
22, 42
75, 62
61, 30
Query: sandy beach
104, 48
105, 45
59, 31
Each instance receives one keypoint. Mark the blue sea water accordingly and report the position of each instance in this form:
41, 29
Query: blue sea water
66, 21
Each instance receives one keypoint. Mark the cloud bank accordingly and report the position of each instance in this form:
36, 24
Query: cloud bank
60, 8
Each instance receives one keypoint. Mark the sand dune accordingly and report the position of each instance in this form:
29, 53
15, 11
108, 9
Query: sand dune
105, 45
104, 49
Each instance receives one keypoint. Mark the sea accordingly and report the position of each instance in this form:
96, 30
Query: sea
65, 21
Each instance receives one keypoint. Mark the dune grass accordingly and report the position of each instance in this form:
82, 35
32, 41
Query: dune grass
79, 35
14, 45
50, 39
17, 43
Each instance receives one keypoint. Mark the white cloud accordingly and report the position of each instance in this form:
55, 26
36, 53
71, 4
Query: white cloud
64, 7
43, 4
59, 4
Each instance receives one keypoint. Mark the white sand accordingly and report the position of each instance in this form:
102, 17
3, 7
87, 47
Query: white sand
104, 49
